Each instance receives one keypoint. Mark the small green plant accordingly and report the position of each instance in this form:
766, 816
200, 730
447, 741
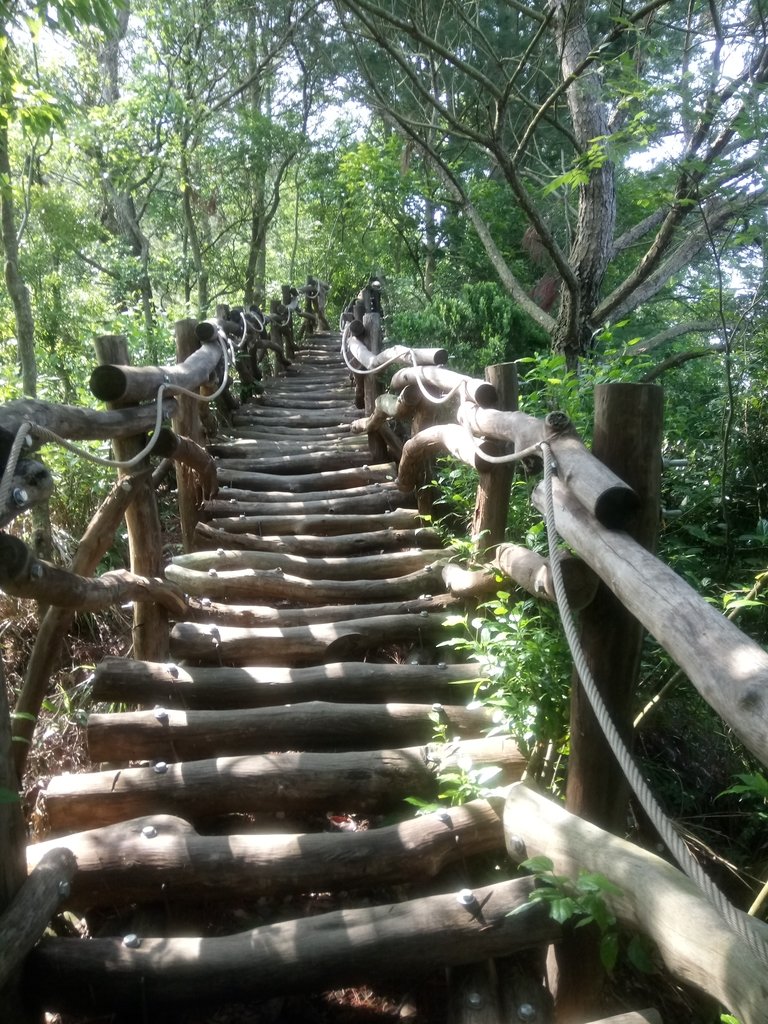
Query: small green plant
583, 901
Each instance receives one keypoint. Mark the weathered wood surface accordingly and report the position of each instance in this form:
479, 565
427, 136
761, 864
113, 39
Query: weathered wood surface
368, 567
133, 384
370, 360
210, 612
436, 440
302, 645
23, 575
247, 448
249, 431
142, 521
494, 482
352, 782
386, 407
175, 735
533, 573
321, 464
186, 452
599, 489
161, 857
324, 525
24, 920
329, 950
260, 585
287, 499
729, 670
386, 498
305, 481
304, 418
317, 545
655, 898
79, 424
443, 381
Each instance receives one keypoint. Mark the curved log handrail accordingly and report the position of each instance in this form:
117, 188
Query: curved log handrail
126, 384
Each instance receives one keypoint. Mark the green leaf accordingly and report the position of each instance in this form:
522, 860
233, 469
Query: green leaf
609, 950
538, 865
562, 909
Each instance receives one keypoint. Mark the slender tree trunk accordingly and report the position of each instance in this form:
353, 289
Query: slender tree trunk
195, 247
17, 289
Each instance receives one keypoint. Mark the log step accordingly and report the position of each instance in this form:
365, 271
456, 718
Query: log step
268, 584
176, 686
350, 567
324, 466
302, 645
305, 482
161, 857
324, 525
315, 545
174, 735
203, 610
381, 500
349, 782
332, 950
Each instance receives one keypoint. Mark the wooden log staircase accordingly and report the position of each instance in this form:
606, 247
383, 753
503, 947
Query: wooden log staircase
247, 836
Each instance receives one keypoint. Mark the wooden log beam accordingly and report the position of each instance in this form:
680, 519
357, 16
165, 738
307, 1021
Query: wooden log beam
324, 525
132, 384
370, 781
308, 544
494, 483
262, 585
305, 419
23, 575
367, 567
246, 448
439, 439
533, 573
386, 407
206, 611
338, 949
236, 473
287, 501
728, 669
177, 735
600, 490
294, 463
654, 898
303, 645
25, 919
394, 353
189, 453
190, 686
187, 422
78, 424
478, 391
161, 857
383, 499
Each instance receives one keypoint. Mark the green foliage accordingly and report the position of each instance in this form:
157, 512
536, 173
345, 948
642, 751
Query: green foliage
524, 656
479, 326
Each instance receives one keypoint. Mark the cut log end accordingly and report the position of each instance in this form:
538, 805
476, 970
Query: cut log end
615, 507
108, 383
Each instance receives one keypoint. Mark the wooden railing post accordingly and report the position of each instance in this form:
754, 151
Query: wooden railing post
150, 621
495, 482
627, 438
187, 423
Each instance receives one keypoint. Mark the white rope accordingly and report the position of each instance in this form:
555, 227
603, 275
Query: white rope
736, 919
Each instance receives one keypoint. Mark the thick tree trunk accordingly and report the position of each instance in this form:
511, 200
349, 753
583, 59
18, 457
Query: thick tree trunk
591, 246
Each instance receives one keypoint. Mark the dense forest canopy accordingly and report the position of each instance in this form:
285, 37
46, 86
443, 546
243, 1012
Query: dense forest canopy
583, 182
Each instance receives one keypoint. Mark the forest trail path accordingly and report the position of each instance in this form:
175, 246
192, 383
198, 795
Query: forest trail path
256, 799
